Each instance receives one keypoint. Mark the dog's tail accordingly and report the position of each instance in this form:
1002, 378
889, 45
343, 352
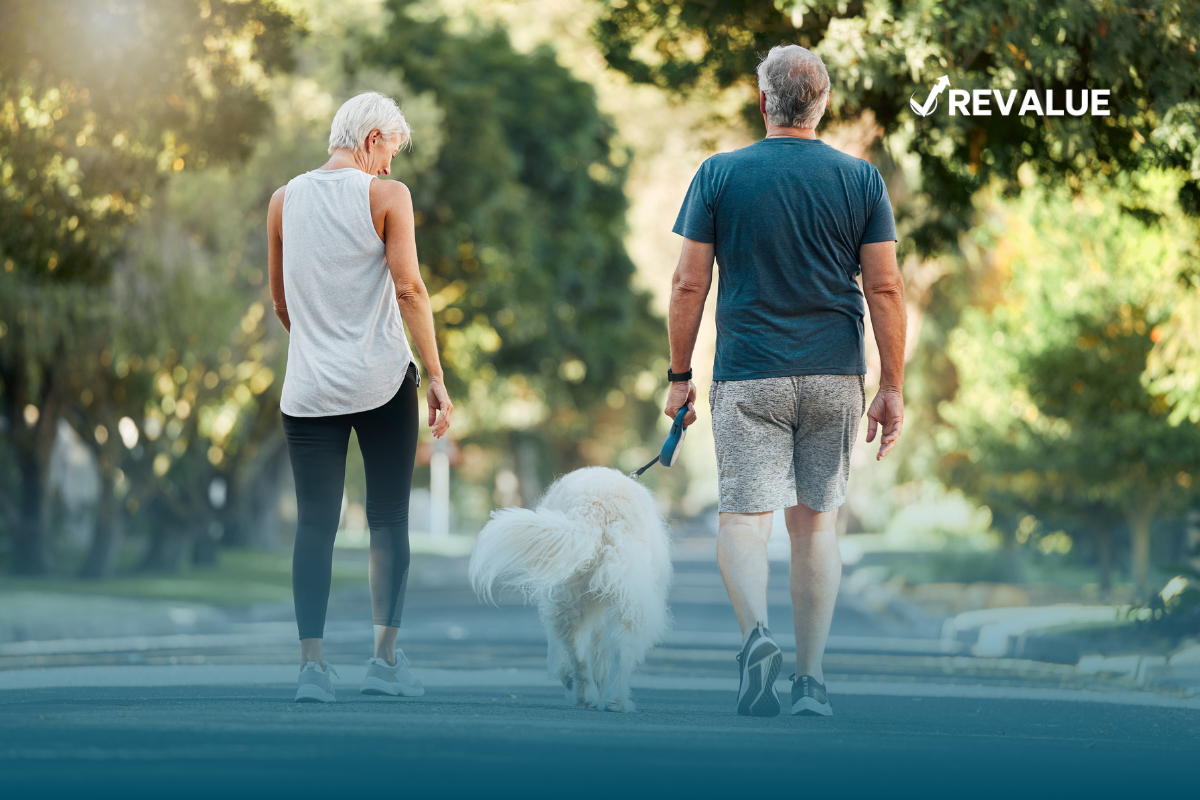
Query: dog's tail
529, 550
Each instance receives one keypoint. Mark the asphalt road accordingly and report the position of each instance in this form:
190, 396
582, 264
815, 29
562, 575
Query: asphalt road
192, 717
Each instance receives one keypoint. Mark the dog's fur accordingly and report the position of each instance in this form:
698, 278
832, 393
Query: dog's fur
595, 557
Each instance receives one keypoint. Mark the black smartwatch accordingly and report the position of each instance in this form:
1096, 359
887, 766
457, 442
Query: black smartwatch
678, 377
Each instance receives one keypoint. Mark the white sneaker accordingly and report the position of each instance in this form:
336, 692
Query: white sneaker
383, 678
315, 685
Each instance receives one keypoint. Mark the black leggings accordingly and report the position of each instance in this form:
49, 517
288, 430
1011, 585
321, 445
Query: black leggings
317, 446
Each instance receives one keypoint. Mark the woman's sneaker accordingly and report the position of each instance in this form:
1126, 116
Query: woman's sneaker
395, 680
809, 698
760, 662
315, 685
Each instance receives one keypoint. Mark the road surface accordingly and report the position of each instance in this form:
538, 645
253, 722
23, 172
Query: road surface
208, 713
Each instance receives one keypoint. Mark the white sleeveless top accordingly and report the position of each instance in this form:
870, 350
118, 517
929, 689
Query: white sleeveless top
347, 351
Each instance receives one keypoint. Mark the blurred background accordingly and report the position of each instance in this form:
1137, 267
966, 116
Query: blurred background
1052, 267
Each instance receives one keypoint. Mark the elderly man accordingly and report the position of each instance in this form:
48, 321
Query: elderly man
792, 223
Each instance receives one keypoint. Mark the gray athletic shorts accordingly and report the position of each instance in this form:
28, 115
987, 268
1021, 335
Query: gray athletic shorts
785, 441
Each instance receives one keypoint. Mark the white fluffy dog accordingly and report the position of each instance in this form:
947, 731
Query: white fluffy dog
595, 557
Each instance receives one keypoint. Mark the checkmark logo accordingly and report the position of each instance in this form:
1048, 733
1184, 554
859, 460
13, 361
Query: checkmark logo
931, 102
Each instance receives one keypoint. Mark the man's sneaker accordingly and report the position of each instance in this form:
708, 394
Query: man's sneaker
315, 685
383, 678
809, 698
760, 662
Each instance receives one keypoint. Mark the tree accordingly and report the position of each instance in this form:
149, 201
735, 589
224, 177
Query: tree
881, 54
102, 100
1053, 416
521, 218
99, 103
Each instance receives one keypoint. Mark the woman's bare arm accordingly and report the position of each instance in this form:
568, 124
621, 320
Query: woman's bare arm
399, 237
275, 257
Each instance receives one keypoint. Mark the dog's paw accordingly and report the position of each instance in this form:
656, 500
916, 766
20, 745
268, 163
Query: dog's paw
621, 706
585, 698
584, 694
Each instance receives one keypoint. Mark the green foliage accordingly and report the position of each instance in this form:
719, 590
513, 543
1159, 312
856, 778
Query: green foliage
99, 103
239, 579
1052, 415
161, 331
881, 54
521, 220
100, 100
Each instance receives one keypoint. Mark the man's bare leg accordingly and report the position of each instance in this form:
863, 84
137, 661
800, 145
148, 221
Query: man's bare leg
816, 576
742, 557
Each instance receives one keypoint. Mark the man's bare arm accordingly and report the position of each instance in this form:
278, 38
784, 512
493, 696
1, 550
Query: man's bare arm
689, 290
884, 290
275, 257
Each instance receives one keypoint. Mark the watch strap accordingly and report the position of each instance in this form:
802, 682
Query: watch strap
678, 377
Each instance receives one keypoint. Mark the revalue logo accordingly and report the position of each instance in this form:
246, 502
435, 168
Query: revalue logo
931, 102
980, 101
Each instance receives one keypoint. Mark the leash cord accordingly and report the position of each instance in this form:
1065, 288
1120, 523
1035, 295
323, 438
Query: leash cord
638, 473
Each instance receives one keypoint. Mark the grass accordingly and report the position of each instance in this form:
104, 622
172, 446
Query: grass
240, 578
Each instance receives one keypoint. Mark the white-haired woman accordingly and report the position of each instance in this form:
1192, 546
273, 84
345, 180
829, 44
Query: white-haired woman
344, 280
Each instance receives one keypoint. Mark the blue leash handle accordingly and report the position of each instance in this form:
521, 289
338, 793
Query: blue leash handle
671, 447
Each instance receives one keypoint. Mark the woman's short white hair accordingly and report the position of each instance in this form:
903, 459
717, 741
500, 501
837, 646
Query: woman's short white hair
796, 84
362, 114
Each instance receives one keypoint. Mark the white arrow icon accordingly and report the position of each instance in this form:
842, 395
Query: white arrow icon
931, 101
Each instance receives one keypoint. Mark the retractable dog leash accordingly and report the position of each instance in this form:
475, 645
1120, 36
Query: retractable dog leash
671, 447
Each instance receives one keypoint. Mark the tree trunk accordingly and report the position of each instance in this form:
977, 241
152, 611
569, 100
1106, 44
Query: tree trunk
106, 538
31, 546
204, 552
1011, 557
1192, 540
1104, 557
529, 482
1140, 514
172, 538
251, 515
166, 553
33, 447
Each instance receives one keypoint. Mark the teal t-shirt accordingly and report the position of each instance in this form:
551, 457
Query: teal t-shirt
786, 218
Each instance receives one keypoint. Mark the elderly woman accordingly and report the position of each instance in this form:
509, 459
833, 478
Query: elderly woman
344, 280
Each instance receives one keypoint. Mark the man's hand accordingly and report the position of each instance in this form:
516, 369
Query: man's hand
438, 400
887, 410
680, 394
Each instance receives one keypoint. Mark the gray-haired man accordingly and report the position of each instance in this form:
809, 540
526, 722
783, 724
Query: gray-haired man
792, 223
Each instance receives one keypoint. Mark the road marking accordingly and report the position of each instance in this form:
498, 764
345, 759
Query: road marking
836, 644
983, 692
174, 641
144, 676
287, 636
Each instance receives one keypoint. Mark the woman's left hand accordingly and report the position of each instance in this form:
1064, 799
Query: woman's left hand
438, 400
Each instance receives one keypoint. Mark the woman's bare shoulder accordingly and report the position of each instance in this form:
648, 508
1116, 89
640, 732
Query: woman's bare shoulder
388, 190
389, 196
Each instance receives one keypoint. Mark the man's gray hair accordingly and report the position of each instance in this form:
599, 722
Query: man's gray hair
796, 85
362, 114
